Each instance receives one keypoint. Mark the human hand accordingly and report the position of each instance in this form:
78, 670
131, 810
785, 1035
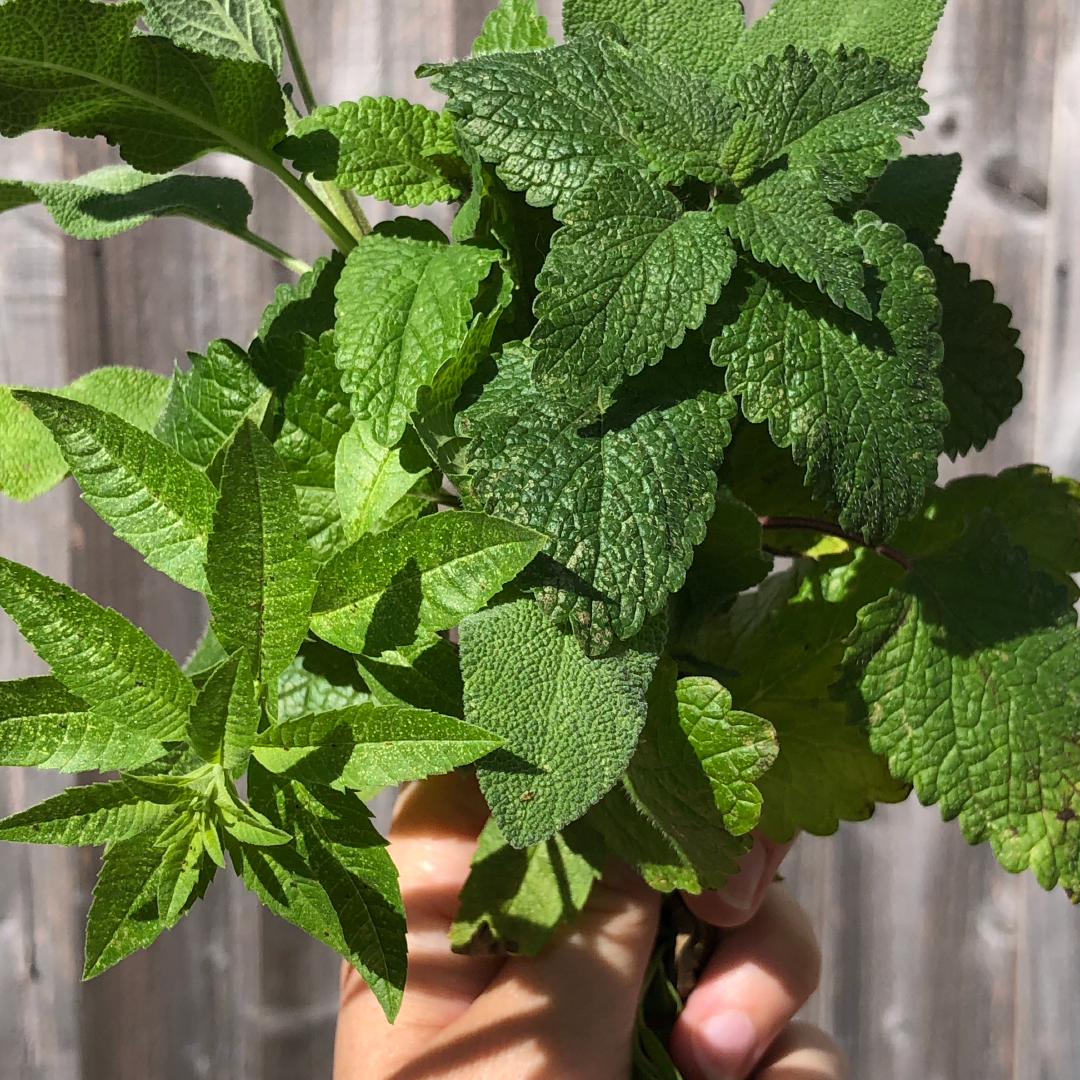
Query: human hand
568, 1013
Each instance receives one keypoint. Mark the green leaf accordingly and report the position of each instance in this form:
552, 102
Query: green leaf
513, 26
138, 697
554, 119
968, 674
41, 723
93, 814
837, 117
225, 716
182, 865
232, 29
117, 198
734, 748
627, 274
859, 404
783, 646
624, 496
370, 746
124, 914
209, 402
423, 575
372, 479
32, 462
386, 147
404, 308
207, 655
570, 724
337, 882
320, 679
980, 375
695, 34
425, 675
915, 192
76, 66
316, 420
155, 500
899, 32
259, 564
515, 899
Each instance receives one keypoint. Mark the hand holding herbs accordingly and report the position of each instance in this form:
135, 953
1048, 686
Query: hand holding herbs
511, 499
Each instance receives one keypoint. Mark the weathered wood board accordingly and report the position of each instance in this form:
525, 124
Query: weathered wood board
938, 965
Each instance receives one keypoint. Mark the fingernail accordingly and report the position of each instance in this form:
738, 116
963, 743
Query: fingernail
724, 1045
741, 889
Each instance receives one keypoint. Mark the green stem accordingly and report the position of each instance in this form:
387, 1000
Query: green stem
348, 211
303, 83
830, 528
311, 202
297, 266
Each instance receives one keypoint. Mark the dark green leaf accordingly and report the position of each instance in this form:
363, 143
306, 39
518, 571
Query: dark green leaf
915, 192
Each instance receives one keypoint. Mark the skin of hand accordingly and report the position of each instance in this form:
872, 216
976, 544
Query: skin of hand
568, 1013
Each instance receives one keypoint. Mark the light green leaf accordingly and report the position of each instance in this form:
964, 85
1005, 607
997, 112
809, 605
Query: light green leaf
513, 26
225, 716
425, 676
859, 404
32, 462
386, 147
570, 724
423, 575
628, 272
320, 679
181, 869
368, 746
76, 66
232, 29
372, 479
515, 899
117, 198
137, 695
899, 32
915, 191
734, 748
694, 34
968, 674
404, 308
259, 564
41, 723
624, 495
155, 500
209, 402
93, 814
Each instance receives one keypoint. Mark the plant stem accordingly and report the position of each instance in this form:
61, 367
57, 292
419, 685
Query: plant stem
297, 266
311, 202
347, 211
829, 528
303, 83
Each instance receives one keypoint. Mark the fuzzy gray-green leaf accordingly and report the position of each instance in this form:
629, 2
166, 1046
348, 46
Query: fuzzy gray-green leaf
232, 29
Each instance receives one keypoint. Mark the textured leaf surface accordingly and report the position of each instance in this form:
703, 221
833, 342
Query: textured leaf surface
624, 496
860, 405
695, 34
627, 274
225, 716
137, 695
370, 746
386, 147
117, 198
425, 675
980, 375
32, 462
514, 899
155, 500
232, 29
320, 679
423, 575
75, 66
404, 308
41, 723
570, 724
259, 564
513, 25
90, 814
969, 675
899, 32
915, 192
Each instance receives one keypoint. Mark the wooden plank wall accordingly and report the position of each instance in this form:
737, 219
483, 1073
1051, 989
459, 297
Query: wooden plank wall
938, 965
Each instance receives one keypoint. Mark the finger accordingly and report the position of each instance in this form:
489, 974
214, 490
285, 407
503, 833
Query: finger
803, 1052
737, 901
760, 976
432, 840
568, 1012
